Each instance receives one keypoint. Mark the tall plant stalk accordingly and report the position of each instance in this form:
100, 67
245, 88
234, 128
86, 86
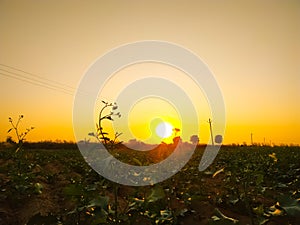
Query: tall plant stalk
109, 143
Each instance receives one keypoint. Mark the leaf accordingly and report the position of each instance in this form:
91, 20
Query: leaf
101, 201
234, 201
156, 193
274, 211
208, 173
100, 216
263, 221
215, 218
18, 149
73, 190
217, 172
259, 179
259, 210
290, 206
108, 117
9, 130
165, 215
137, 161
220, 218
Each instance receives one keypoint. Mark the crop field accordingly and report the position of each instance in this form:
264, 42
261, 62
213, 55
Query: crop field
50, 183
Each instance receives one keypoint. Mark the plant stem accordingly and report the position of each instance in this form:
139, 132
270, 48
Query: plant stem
100, 126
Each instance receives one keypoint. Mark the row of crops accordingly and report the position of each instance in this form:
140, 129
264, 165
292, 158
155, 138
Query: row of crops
244, 185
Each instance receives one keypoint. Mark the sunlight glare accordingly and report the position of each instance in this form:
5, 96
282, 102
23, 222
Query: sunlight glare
164, 130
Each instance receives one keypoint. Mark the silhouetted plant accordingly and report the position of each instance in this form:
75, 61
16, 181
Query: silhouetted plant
103, 137
19, 135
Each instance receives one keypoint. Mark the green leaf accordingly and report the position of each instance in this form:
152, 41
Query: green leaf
215, 218
100, 217
101, 201
156, 193
290, 206
73, 190
165, 215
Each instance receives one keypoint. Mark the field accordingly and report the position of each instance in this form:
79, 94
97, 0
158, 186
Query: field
50, 183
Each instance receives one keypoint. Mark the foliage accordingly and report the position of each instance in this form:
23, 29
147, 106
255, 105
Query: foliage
260, 184
19, 135
110, 143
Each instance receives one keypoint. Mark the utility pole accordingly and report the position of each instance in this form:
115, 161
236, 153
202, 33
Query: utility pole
211, 133
251, 138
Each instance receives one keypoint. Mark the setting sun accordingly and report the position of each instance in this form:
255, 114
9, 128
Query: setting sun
164, 130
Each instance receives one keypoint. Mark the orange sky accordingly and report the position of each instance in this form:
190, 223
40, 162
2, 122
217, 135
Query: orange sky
252, 48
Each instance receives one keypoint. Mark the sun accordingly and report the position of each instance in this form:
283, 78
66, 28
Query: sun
164, 129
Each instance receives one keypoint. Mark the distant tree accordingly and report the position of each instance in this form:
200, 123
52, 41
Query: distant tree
218, 139
10, 140
177, 140
176, 130
194, 139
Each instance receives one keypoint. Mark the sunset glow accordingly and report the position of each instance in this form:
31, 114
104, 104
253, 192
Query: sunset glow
251, 47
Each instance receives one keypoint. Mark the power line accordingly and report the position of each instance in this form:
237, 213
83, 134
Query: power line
39, 77
37, 80
34, 83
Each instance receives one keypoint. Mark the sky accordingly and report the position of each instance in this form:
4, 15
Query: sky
251, 47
